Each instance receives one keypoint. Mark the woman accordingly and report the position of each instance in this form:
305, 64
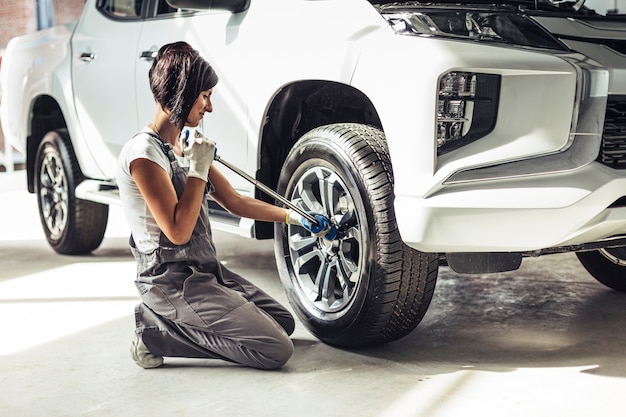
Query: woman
192, 306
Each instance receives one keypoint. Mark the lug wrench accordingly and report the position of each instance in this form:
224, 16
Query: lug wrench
265, 189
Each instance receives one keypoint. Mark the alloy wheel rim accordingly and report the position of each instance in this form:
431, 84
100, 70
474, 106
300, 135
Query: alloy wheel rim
53, 194
327, 273
618, 258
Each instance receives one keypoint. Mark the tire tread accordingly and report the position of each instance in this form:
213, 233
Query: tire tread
406, 282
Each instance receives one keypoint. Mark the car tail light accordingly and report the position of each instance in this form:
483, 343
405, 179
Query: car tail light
467, 105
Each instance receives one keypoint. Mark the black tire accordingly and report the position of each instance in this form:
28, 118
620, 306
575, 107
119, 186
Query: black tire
608, 266
366, 287
72, 226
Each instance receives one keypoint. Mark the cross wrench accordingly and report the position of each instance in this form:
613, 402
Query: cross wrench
265, 189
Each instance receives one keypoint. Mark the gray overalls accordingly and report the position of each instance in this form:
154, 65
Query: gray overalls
194, 307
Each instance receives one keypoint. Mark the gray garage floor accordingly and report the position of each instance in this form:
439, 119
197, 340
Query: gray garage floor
547, 340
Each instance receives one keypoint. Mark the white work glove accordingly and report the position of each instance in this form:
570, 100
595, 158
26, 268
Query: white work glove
200, 152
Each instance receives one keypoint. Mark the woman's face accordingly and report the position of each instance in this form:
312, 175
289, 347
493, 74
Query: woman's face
202, 105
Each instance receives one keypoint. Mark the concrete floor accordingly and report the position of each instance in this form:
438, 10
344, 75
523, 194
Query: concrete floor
547, 340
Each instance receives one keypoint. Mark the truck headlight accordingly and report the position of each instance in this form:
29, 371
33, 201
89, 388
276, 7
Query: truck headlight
467, 106
483, 24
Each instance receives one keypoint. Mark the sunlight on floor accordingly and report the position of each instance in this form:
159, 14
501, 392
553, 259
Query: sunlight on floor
20, 220
52, 304
444, 395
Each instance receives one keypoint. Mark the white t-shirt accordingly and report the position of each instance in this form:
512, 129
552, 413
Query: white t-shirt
142, 224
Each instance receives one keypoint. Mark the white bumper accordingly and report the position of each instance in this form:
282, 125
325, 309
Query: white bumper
517, 215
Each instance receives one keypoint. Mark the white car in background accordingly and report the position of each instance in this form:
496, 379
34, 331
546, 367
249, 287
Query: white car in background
470, 133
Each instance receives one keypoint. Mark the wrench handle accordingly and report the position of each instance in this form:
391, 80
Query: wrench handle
265, 189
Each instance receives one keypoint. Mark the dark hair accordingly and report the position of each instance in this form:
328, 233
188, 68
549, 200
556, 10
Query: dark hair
177, 77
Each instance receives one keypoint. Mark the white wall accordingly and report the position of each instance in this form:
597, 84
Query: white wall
601, 6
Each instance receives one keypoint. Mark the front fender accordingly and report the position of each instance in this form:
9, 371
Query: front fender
30, 63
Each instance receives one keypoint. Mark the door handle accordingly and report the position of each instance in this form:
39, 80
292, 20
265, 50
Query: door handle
148, 55
87, 56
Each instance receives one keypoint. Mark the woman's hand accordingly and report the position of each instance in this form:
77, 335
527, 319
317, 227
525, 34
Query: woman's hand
200, 152
322, 228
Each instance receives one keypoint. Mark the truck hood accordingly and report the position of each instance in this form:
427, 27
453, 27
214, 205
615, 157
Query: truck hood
565, 25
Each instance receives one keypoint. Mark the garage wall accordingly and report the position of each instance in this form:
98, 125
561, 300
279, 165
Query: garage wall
18, 17
67, 10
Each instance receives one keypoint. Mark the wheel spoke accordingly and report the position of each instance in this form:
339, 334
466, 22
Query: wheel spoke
310, 202
331, 196
62, 213
326, 193
348, 221
56, 218
305, 258
49, 172
323, 283
347, 267
299, 243
345, 271
311, 189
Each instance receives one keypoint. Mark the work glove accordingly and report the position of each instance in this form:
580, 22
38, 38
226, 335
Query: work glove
323, 228
200, 152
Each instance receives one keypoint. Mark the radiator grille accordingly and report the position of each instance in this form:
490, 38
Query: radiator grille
613, 151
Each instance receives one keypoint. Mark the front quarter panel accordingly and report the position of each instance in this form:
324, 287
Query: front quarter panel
537, 98
33, 65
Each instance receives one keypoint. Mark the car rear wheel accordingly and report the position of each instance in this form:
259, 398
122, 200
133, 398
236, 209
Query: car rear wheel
366, 286
72, 226
608, 266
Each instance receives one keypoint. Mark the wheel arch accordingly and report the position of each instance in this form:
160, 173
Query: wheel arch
295, 109
45, 115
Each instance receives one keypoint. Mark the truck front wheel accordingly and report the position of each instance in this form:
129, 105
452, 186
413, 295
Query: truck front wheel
607, 265
365, 286
72, 226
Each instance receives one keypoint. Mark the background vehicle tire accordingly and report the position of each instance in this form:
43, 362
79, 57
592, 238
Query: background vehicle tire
607, 266
72, 226
365, 287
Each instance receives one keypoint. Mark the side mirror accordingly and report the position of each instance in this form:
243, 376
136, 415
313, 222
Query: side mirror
234, 6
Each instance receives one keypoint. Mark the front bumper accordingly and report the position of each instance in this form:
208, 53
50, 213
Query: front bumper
482, 202
532, 183
517, 214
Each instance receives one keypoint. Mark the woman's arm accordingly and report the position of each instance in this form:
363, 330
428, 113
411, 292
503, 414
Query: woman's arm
240, 205
176, 218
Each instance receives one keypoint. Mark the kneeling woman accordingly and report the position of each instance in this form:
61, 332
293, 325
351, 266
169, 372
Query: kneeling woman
191, 305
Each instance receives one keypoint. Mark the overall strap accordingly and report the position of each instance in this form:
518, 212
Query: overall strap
168, 150
166, 147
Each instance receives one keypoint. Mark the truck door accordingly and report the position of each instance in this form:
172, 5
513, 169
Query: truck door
104, 49
208, 32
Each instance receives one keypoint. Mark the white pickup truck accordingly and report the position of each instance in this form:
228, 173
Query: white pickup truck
464, 132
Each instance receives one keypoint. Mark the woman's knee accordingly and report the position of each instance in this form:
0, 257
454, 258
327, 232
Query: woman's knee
276, 355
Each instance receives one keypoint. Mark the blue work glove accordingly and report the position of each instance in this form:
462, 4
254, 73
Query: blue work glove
322, 228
